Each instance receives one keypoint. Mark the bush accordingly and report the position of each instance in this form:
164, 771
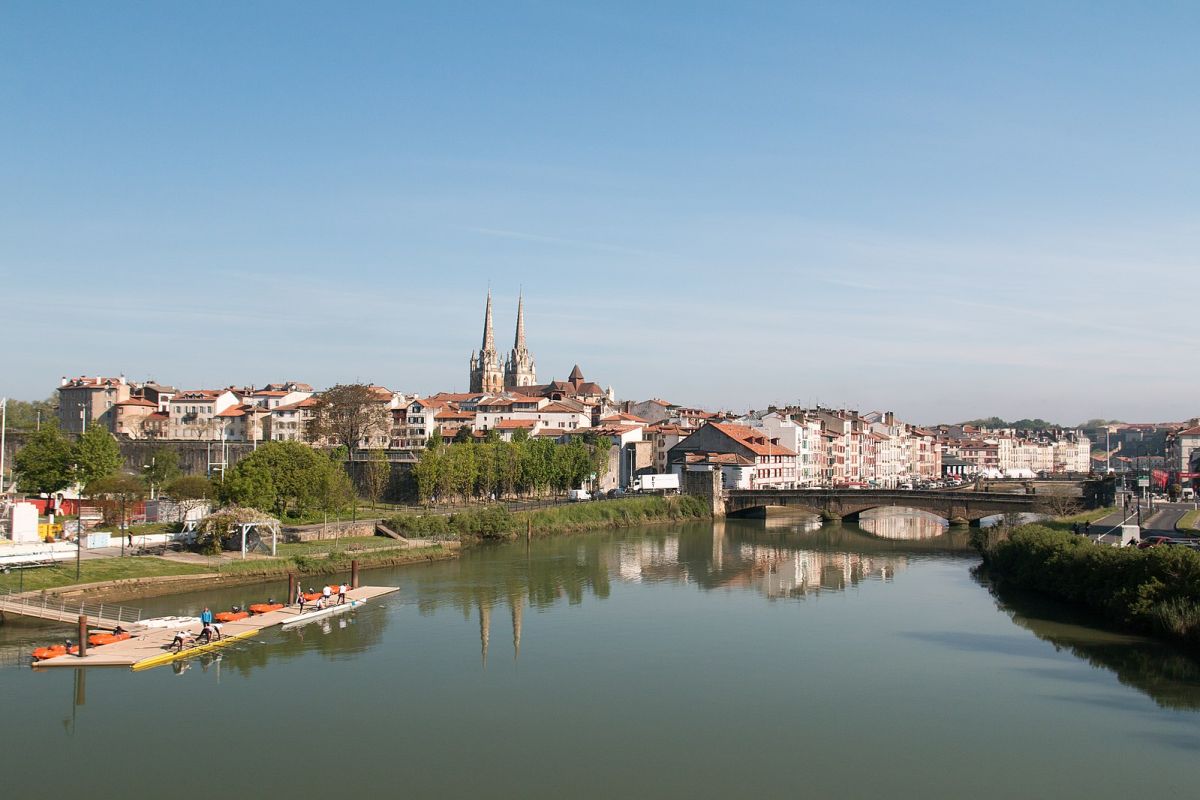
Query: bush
1157, 589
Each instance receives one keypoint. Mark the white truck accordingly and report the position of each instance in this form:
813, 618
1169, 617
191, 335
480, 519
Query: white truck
661, 482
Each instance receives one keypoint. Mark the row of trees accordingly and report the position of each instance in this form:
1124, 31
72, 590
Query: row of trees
523, 466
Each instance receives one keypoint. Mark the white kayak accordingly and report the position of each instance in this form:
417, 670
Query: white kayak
168, 622
328, 611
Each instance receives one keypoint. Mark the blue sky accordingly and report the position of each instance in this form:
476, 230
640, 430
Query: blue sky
949, 210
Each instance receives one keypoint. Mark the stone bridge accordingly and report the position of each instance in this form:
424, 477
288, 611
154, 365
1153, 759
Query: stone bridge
846, 504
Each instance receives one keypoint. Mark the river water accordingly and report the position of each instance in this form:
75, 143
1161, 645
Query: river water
742, 658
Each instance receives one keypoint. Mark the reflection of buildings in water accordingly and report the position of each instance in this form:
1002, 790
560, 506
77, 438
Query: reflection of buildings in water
795, 573
794, 523
902, 523
634, 558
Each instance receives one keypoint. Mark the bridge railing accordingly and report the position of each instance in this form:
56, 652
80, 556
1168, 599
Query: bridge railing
42, 606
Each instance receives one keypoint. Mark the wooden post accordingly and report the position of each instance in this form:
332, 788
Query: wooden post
83, 634
354, 573
291, 595
528, 529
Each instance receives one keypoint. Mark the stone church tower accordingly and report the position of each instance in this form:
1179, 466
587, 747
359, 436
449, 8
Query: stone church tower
519, 369
486, 372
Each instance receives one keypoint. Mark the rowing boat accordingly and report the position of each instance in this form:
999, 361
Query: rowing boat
308, 616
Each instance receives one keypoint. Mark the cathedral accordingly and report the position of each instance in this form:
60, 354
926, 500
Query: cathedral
488, 373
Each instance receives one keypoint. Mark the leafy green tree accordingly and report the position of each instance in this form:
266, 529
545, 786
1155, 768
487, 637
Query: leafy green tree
377, 474
95, 455
23, 415
463, 435
436, 440
44, 463
189, 492
278, 477
163, 467
335, 490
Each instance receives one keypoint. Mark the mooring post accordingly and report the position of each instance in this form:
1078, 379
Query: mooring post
83, 628
291, 595
354, 574
528, 529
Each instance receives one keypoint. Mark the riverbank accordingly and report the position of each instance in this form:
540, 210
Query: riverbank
131, 578
1156, 590
497, 522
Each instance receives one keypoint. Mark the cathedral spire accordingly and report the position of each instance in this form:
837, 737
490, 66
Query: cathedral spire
519, 343
489, 338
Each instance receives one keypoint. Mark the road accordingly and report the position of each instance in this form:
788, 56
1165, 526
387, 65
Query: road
1164, 520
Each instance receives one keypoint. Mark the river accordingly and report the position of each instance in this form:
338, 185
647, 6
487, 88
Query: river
735, 659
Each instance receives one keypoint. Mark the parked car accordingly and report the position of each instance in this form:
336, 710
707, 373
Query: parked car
1155, 541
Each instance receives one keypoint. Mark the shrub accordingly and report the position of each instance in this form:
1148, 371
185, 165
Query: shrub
1157, 589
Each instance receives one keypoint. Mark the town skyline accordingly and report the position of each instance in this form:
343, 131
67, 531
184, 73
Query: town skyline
826, 213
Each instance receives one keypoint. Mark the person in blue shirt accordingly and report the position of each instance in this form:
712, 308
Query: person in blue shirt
206, 616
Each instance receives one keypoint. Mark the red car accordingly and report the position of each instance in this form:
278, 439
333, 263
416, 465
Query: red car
1155, 541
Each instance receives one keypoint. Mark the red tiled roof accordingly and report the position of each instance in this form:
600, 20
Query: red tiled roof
513, 424
752, 439
137, 401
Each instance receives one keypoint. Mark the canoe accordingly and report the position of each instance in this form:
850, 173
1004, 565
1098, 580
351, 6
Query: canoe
308, 616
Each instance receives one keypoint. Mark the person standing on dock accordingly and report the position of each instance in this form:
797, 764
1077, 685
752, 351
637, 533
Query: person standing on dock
299, 595
326, 594
341, 593
206, 617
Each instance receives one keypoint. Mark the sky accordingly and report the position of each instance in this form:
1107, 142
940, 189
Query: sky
948, 210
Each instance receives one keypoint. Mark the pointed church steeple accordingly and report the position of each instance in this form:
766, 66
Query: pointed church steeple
487, 373
519, 369
519, 343
489, 338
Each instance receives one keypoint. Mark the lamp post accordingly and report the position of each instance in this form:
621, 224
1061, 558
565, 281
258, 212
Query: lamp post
3, 432
78, 528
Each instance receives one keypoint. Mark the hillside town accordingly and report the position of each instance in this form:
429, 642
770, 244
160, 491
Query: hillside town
775, 447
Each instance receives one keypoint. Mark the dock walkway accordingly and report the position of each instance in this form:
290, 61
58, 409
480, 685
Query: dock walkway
151, 647
35, 605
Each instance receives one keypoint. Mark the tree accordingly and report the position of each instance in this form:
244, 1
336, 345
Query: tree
334, 490
350, 415
463, 435
24, 415
279, 477
44, 463
125, 489
189, 492
1058, 504
163, 467
95, 455
377, 474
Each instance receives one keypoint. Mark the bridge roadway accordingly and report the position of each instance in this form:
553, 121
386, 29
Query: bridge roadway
846, 504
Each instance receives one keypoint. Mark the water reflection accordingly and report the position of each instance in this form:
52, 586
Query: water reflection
902, 523
1165, 673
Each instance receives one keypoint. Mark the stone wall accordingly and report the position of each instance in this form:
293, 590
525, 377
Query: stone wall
706, 484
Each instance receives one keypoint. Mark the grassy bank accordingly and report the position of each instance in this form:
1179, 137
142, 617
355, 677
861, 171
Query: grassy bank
496, 522
318, 559
1156, 590
1189, 522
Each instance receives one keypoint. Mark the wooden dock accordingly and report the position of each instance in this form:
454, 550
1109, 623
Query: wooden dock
151, 647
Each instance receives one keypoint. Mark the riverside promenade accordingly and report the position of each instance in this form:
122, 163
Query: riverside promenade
151, 647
